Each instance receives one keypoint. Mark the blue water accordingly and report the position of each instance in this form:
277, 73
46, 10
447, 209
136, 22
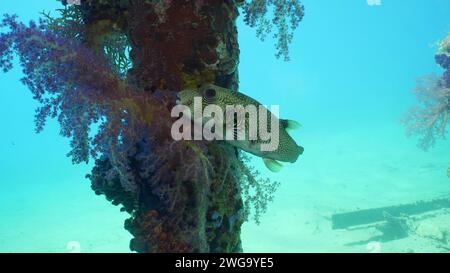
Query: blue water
348, 83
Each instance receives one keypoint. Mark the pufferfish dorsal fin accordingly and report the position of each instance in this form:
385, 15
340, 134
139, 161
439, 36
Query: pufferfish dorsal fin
272, 165
289, 124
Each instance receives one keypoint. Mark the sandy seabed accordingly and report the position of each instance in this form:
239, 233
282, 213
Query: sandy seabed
352, 169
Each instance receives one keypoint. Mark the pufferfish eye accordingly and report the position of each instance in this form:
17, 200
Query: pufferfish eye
210, 93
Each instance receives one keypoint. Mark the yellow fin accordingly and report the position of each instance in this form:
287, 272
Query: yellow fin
272, 165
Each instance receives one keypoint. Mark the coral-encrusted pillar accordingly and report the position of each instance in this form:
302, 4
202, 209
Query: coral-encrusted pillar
178, 44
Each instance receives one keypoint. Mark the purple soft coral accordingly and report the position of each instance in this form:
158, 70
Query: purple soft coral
77, 87
443, 60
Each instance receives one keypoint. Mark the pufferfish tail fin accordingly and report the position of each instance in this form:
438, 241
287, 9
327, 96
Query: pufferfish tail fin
272, 165
289, 124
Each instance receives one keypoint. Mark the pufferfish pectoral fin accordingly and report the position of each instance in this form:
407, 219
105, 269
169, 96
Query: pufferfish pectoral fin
289, 124
272, 165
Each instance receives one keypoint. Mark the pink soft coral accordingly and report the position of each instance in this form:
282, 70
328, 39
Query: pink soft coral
429, 119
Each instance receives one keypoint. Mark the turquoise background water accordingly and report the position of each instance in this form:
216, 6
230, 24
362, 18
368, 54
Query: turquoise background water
349, 81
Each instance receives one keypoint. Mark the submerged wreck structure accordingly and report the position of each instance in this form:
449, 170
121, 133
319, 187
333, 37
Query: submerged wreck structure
430, 118
109, 72
424, 220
